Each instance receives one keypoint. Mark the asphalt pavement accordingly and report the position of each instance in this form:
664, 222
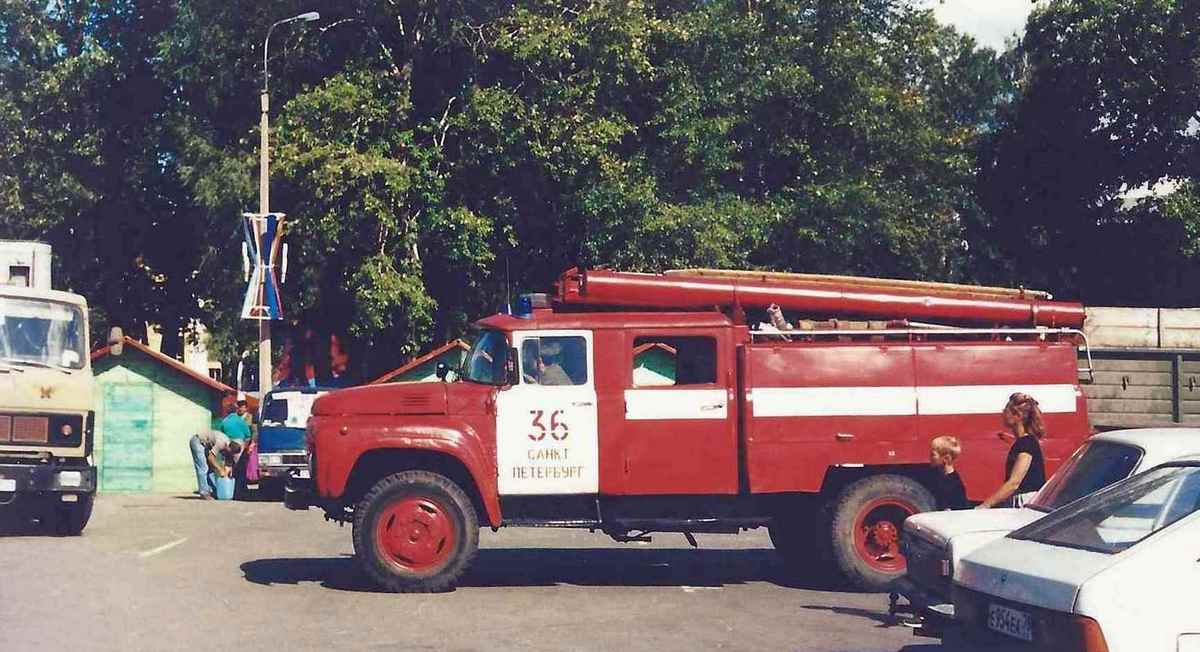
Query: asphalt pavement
176, 573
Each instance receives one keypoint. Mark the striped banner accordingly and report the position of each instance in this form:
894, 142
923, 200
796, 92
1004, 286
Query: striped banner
262, 247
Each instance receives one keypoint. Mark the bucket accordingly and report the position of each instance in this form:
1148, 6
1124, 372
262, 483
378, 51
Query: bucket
224, 487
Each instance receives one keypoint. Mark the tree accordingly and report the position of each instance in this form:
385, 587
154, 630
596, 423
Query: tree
1109, 98
434, 155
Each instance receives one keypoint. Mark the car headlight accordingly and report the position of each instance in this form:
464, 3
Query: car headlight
269, 459
70, 478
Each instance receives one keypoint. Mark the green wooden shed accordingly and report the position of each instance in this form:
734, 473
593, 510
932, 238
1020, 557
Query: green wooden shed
148, 406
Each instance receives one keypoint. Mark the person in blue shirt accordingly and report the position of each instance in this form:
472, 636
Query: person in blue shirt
234, 424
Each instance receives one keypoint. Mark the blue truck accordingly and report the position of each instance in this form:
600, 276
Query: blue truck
281, 448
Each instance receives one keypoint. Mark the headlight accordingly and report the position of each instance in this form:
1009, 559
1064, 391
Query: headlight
269, 459
70, 478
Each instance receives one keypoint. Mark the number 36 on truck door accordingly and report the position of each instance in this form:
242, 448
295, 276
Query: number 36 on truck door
546, 435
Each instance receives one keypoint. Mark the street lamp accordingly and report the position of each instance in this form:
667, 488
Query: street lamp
264, 206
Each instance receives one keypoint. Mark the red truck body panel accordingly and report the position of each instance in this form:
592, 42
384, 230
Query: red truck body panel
815, 406
347, 424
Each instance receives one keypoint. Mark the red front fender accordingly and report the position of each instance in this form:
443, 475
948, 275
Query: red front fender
340, 441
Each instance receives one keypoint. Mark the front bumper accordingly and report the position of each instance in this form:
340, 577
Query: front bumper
298, 493
283, 472
47, 478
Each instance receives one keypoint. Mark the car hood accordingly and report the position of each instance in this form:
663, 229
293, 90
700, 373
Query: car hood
386, 398
1031, 573
946, 526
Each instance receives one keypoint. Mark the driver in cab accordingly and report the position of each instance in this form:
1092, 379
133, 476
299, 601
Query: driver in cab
546, 367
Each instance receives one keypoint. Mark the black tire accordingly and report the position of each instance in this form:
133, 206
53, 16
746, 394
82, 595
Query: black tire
875, 500
66, 519
439, 500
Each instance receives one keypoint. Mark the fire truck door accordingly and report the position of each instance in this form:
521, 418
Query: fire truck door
679, 435
546, 434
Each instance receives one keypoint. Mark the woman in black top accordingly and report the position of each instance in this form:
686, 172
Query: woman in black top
1024, 470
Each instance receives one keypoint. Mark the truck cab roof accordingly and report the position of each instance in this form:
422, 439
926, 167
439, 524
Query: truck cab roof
52, 295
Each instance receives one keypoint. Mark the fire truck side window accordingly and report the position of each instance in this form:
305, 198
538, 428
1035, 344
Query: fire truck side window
660, 361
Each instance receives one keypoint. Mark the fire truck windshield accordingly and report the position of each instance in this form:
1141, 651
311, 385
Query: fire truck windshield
41, 333
485, 362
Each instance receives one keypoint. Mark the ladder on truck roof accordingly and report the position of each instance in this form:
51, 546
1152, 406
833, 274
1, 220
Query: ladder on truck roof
848, 296
865, 281
991, 312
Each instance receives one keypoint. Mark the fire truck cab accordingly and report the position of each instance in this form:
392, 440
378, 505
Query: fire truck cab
622, 405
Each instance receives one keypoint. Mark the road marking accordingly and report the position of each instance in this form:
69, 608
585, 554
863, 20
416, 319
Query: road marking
163, 548
693, 589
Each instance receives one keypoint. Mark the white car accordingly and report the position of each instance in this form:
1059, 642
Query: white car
934, 543
1115, 571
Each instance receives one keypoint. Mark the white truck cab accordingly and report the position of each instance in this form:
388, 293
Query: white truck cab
46, 394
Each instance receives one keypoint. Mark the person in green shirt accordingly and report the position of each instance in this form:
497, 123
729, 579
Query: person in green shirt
234, 424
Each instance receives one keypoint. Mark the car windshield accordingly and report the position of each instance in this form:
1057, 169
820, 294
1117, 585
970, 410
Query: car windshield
41, 333
485, 361
1094, 466
1118, 517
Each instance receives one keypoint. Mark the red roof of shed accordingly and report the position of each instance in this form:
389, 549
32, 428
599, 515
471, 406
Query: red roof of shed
168, 361
412, 364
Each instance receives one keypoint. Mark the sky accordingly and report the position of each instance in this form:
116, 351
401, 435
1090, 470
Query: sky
989, 21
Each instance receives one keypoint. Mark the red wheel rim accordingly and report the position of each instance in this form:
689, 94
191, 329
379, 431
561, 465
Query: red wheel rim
877, 533
415, 534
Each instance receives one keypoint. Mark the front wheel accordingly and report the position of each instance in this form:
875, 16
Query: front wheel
866, 519
68, 519
415, 532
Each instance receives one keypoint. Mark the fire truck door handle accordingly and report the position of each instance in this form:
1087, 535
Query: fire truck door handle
844, 436
582, 404
714, 406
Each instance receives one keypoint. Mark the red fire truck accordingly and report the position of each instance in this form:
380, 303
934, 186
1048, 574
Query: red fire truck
635, 404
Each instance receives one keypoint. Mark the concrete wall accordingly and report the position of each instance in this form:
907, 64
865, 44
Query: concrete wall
1147, 366
1166, 328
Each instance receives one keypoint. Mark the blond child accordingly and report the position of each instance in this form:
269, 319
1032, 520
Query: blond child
947, 486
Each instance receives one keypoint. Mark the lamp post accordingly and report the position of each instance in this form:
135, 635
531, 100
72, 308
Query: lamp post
264, 204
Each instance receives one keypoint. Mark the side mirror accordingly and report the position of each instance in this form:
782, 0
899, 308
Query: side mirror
511, 377
442, 370
116, 340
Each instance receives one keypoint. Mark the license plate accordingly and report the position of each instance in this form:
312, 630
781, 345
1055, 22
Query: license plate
8, 485
1012, 622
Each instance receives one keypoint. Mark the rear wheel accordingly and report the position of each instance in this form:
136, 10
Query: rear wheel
866, 520
415, 532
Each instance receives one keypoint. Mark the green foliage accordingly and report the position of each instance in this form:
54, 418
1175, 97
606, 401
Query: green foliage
432, 154
1109, 92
